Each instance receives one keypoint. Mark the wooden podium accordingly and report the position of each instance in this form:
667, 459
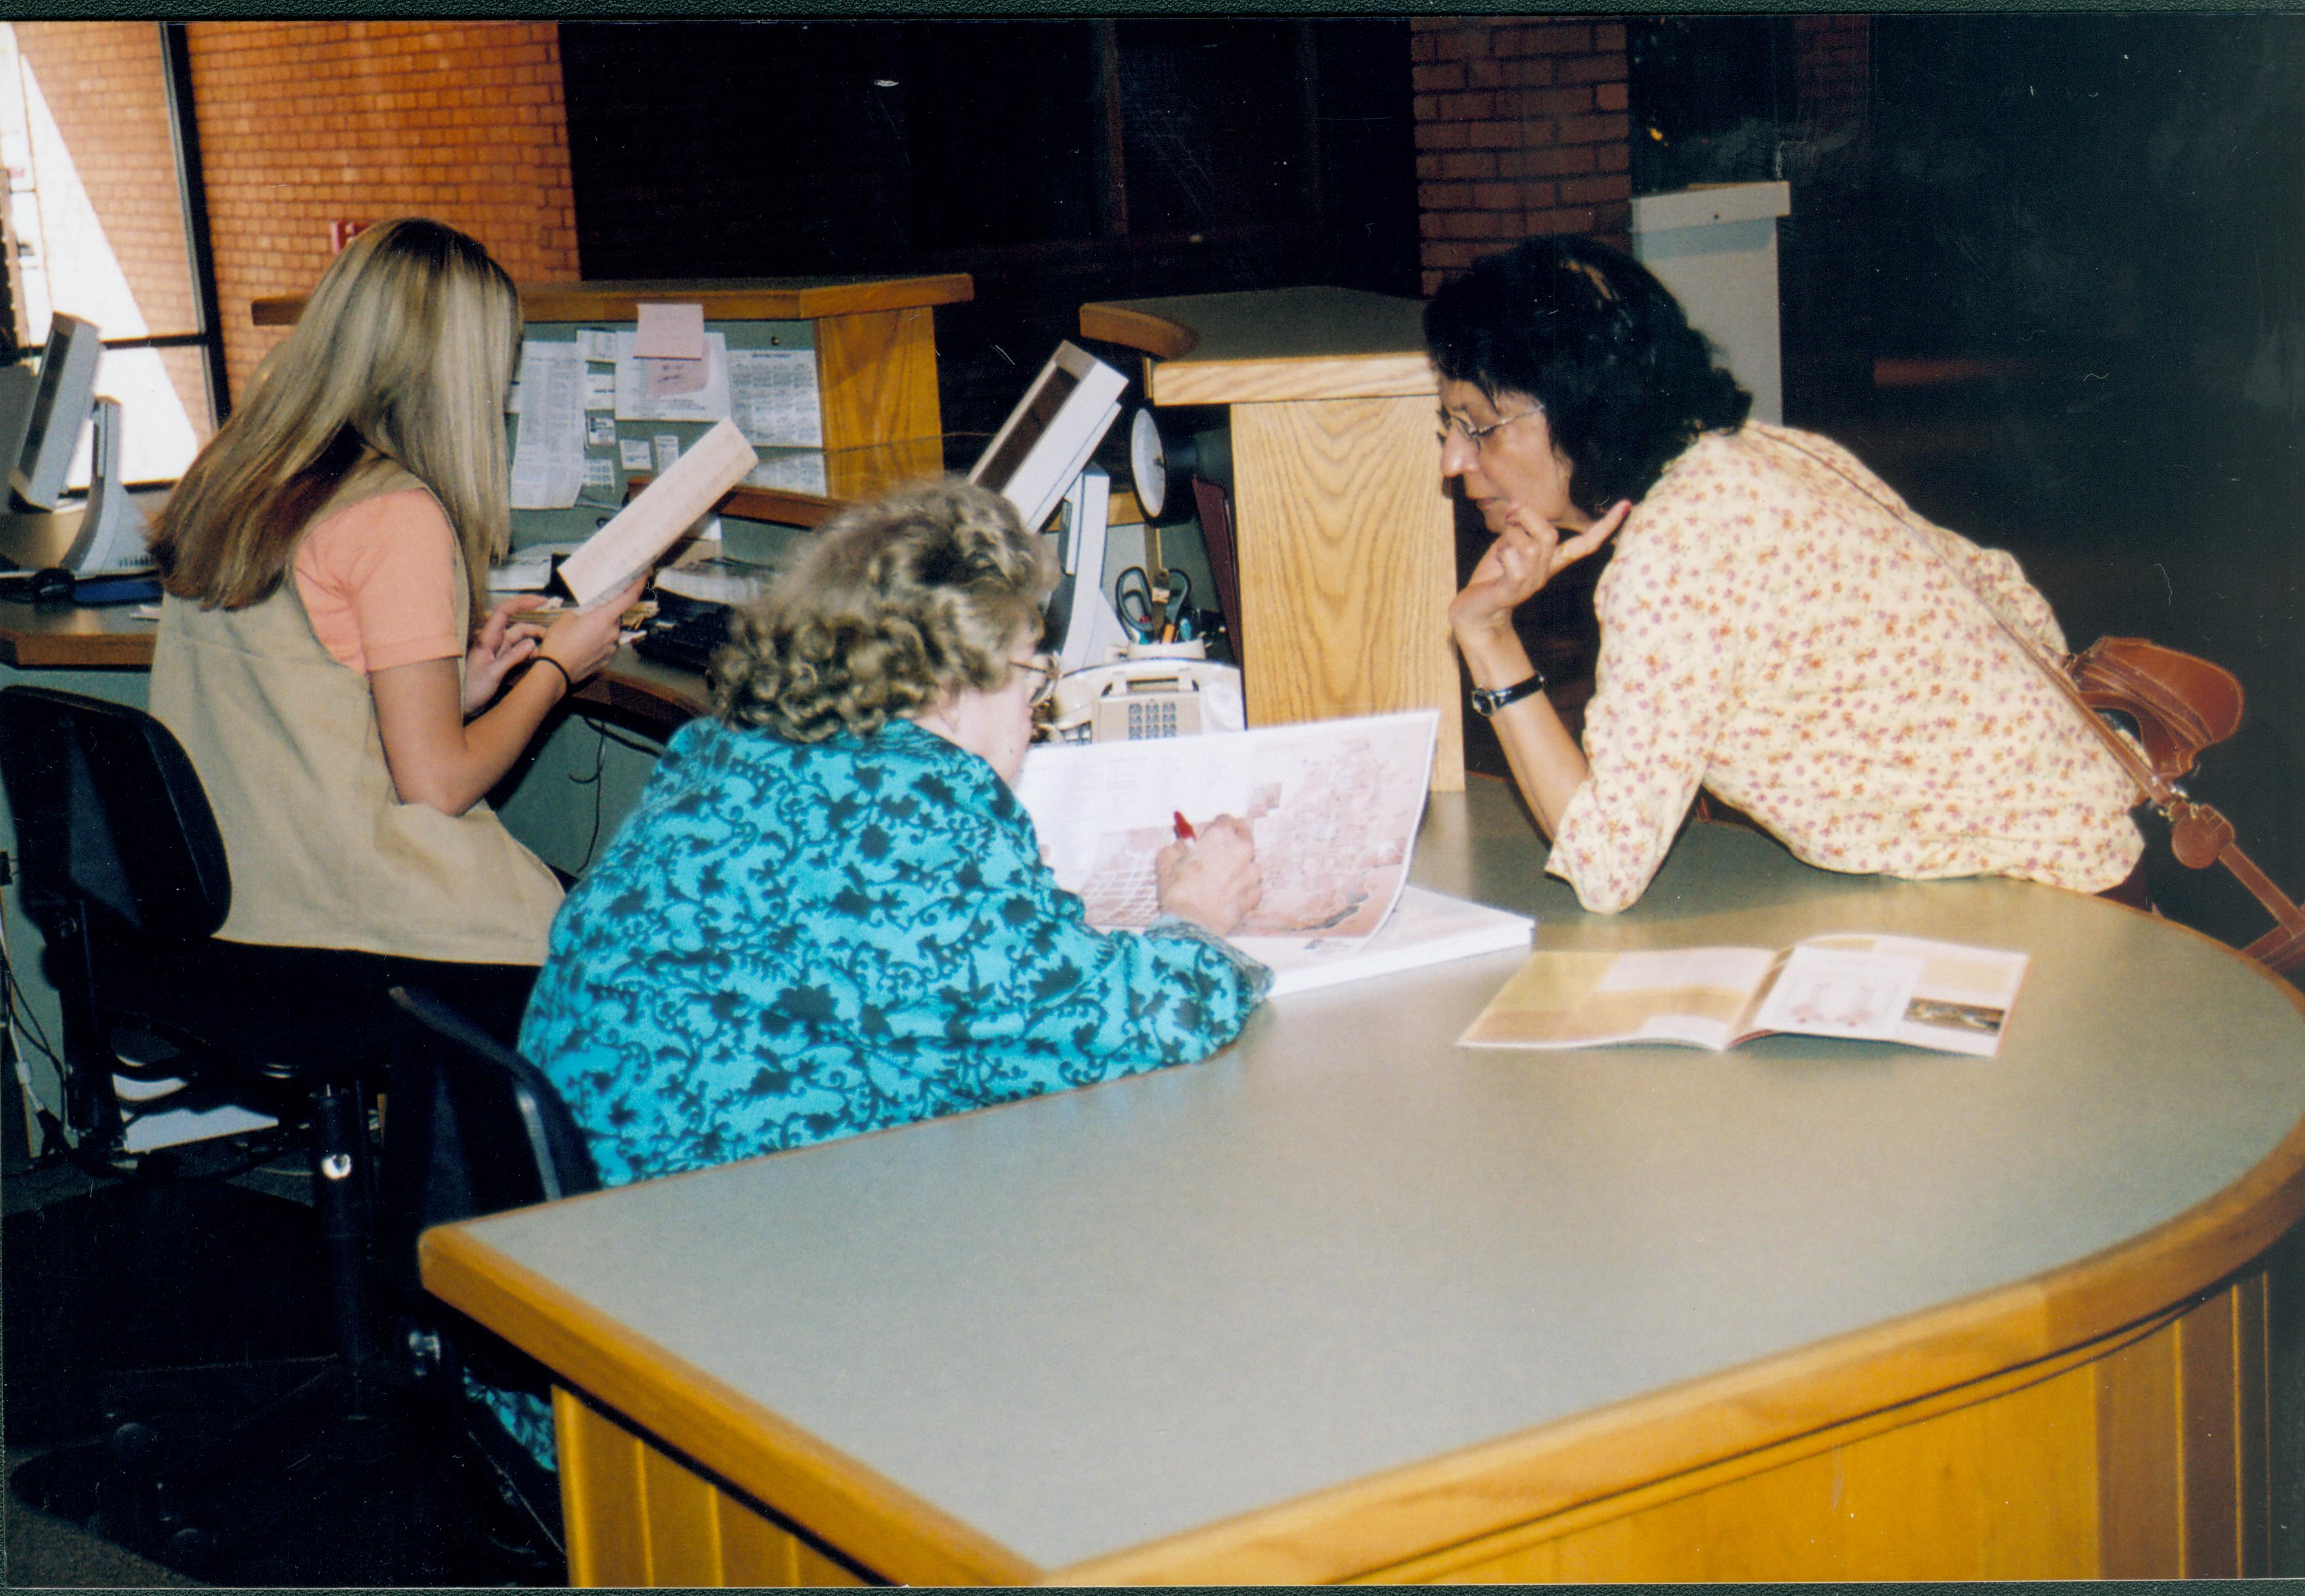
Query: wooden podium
1347, 536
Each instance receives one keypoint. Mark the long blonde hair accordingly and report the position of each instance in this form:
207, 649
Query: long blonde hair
402, 356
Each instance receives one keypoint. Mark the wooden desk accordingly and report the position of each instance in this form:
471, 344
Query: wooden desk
1348, 551
1348, 1302
71, 637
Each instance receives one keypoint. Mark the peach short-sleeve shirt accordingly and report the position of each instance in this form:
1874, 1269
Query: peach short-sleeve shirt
378, 580
1778, 628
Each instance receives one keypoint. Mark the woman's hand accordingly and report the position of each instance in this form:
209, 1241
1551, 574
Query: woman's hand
502, 644
1529, 553
1214, 881
449, 760
582, 640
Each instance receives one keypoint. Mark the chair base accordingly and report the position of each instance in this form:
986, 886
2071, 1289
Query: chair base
380, 1502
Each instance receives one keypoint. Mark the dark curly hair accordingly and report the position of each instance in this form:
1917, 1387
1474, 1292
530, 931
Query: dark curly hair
1586, 331
894, 603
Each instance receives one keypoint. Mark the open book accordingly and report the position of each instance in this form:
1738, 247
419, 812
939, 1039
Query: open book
1425, 928
654, 521
1333, 806
1937, 995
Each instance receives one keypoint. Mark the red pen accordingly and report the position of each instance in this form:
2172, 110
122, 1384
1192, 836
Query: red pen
1184, 832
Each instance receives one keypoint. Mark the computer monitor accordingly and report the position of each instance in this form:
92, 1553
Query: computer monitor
1040, 448
61, 406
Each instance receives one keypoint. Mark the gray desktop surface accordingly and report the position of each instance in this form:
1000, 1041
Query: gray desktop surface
1344, 1244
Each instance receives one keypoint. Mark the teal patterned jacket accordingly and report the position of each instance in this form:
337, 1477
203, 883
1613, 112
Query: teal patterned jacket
789, 943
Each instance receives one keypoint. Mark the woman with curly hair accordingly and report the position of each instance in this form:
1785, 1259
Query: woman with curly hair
1776, 625
829, 914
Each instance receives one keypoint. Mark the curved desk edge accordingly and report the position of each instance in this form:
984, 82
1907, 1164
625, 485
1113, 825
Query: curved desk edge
1959, 1352
895, 1532
1156, 335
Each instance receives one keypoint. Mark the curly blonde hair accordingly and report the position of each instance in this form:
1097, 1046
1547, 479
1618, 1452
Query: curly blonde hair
895, 604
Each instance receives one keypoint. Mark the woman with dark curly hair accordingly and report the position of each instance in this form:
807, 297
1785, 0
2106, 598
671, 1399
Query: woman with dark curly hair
1776, 626
829, 912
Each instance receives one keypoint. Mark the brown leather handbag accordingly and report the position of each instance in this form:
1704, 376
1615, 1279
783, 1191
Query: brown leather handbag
2179, 705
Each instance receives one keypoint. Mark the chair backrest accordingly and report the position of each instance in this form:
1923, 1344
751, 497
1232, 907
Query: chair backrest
519, 1144
109, 813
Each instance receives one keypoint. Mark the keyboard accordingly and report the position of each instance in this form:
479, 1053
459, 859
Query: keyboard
683, 633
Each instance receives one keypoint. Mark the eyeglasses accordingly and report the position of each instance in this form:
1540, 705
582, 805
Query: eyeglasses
1043, 666
1478, 435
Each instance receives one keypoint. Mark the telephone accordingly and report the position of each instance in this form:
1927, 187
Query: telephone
1149, 690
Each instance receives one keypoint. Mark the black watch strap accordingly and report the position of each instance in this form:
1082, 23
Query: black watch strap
1488, 700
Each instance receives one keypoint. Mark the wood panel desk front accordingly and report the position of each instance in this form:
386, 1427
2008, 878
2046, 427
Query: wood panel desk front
1347, 1301
1346, 539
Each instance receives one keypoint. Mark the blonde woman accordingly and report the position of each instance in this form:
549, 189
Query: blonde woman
326, 655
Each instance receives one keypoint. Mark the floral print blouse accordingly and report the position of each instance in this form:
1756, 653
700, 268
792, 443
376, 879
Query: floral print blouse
1771, 630
789, 943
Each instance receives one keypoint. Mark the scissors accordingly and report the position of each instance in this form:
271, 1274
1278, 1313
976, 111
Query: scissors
1144, 608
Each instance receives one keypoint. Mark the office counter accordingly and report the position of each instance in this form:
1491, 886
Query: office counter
1348, 1302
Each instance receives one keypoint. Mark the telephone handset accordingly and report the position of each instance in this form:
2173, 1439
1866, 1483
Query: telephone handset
1155, 690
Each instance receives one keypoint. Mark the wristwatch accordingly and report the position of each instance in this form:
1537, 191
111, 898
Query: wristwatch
1488, 700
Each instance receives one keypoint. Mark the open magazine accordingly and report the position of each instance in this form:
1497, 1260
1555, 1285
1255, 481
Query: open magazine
1333, 806
1937, 995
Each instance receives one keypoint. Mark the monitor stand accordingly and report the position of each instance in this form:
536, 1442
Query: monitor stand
111, 541
1081, 612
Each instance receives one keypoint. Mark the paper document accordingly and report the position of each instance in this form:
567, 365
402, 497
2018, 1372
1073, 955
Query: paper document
669, 332
774, 398
1425, 927
1943, 996
796, 470
548, 460
527, 570
1333, 806
652, 523
673, 390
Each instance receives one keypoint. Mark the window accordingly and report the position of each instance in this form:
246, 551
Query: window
104, 221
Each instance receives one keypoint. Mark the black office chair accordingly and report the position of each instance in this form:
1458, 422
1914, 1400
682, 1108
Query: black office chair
123, 873
473, 1128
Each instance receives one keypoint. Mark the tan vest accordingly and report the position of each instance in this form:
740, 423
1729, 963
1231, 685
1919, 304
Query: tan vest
323, 852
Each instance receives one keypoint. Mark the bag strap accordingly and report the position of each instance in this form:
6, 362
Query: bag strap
2199, 835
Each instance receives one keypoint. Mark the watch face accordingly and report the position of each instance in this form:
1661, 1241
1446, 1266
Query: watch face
1148, 463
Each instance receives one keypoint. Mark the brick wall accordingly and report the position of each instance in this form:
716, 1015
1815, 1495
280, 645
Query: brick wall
306, 124
1521, 130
